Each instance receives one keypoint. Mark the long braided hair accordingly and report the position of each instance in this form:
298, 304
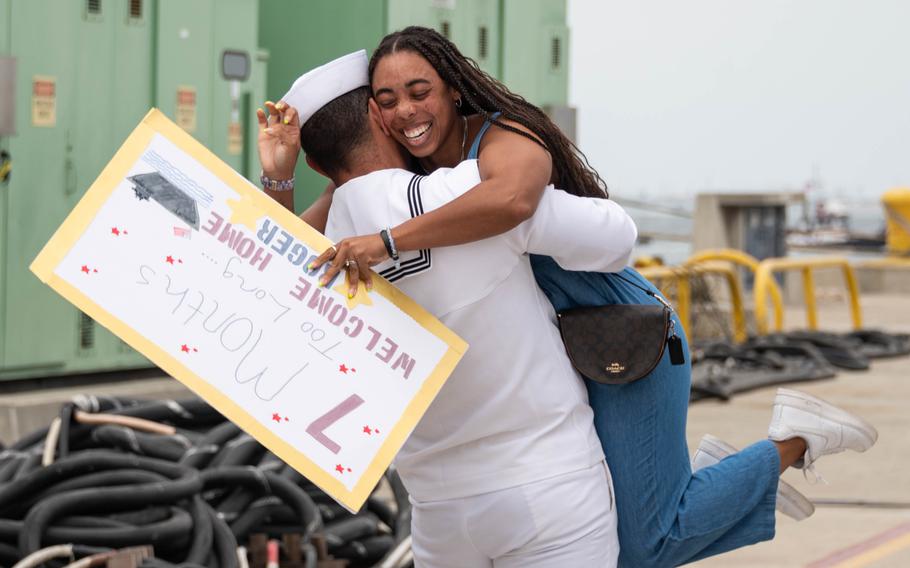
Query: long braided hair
485, 95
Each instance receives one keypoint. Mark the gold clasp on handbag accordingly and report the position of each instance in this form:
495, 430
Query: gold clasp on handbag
615, 367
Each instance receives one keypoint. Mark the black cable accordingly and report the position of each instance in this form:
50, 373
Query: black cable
366, 551
186, 482
382, 510
10, 465
31, 463
203, 538
270, 510
98, 479
143, 516
9, 554
240, 451
268, 482
86, 521
177, 525
63, 441
159, 446
202, 453
356, 528
193, 411
96, 499
225, 545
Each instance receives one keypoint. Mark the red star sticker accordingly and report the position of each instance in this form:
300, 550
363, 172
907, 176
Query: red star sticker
115, 231
339, 468
366, 430
169, 259
276, 417
85, 269
185, 348
343, 369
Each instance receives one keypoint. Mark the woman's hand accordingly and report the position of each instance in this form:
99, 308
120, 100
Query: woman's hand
354, 255
279, 140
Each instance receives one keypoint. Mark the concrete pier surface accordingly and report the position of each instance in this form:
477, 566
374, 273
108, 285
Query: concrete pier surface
875, 535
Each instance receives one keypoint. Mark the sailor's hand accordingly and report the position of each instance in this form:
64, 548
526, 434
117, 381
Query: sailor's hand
279, 140
355, 256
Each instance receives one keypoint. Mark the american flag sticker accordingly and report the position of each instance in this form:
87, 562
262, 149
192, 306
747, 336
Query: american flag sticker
181, 232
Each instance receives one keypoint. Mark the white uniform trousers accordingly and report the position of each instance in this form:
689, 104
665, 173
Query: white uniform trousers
562, 522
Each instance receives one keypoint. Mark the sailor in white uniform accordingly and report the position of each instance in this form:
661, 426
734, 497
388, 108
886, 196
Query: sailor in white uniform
505, 468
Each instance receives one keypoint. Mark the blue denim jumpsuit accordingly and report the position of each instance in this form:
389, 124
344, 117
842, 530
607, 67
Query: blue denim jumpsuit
668, 515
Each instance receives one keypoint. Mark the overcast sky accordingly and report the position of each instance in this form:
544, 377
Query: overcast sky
675, 97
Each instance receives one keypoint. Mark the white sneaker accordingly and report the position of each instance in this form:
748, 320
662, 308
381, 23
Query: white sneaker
790, 502
826, 428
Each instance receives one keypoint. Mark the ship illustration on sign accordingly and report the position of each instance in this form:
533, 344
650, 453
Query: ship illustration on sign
154, 186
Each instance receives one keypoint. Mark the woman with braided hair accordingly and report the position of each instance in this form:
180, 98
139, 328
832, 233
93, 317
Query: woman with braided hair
433, 101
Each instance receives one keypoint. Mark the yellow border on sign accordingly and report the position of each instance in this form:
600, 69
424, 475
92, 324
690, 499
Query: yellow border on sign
78, 221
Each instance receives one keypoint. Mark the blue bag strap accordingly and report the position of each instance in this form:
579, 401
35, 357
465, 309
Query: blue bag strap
475, 146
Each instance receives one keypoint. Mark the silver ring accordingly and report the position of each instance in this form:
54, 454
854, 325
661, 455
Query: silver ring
349, 262
334, 250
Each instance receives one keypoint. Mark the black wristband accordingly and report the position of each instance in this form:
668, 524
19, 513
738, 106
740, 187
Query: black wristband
393, 254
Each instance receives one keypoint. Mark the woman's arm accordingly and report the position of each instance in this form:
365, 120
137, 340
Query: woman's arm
514, 172
279, 147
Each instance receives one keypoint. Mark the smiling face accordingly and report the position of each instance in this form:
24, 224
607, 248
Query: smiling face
416, 105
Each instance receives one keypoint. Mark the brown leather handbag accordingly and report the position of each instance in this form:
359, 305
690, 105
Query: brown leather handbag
619, 344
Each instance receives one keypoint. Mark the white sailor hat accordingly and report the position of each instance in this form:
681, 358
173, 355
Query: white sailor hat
317, 87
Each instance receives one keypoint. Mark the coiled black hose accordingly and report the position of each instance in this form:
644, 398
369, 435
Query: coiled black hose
269, 483
115, 535
169, 448
176, 496
63, 442
187, 484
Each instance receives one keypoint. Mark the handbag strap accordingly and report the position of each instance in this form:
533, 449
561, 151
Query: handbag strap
645, 290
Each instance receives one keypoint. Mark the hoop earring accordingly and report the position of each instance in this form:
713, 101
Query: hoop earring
458, 102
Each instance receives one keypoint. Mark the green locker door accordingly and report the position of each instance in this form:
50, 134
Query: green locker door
443, 16
5, 27
125, 86
473, 25
535, 60
90, 136
183, 65
38, 325
477, 33
234, 37
301, 35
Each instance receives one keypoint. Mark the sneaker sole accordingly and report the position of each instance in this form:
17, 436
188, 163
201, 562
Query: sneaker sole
790, 502
811, 404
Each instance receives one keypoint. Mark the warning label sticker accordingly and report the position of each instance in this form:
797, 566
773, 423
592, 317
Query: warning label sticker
185, 116
44, 101
235, 139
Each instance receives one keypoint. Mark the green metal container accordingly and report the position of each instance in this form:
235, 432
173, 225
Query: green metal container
81, 85
86, 71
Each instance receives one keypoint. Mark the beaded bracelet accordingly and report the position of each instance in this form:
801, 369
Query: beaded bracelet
276, 185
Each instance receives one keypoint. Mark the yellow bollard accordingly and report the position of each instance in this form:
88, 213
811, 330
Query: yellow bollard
897, 214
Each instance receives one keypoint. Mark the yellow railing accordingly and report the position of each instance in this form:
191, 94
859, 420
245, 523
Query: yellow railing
885, 262
746, 260
682, 277
764, 283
